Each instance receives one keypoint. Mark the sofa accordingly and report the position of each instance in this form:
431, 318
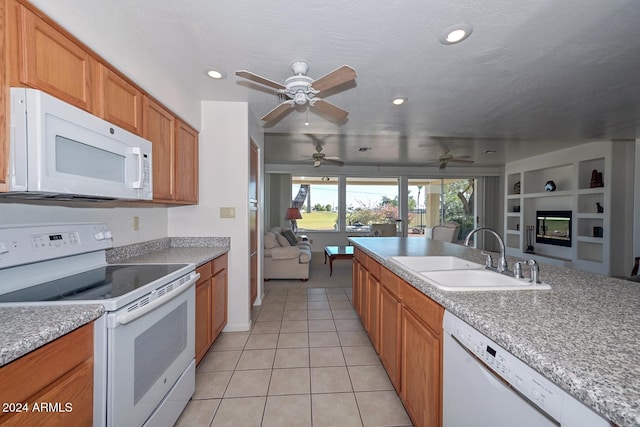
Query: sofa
285, 258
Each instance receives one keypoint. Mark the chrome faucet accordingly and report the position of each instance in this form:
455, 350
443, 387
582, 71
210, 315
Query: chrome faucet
502, 262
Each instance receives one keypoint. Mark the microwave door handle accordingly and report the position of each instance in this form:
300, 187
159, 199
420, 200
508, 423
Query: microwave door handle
136, 151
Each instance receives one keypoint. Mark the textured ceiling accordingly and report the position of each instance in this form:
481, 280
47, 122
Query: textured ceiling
532, 76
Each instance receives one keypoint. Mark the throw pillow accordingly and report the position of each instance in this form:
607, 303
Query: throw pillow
288, 234
282, 240
270, 240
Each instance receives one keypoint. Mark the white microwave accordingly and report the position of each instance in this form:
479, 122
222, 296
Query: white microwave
59, 151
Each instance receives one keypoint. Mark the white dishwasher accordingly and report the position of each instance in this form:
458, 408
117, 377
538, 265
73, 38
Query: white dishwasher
484, 385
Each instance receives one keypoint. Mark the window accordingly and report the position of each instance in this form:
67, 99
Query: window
437, 201
371, 201
317, 199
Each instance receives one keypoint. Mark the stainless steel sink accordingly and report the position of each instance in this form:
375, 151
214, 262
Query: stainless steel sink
478, 280
434, 263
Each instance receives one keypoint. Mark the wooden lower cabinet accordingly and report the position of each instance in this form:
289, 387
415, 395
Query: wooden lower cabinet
389, 338
211, 304
55, 381
373, 308
355, 285
405, 327
421, 368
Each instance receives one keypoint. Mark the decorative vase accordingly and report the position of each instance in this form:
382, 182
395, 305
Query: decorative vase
550, 186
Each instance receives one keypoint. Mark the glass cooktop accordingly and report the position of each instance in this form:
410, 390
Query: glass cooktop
106, 282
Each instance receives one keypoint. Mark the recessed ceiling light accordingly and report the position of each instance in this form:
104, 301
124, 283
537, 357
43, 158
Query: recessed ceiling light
215, 74
489, 152
363, 149
399, 101
456, 33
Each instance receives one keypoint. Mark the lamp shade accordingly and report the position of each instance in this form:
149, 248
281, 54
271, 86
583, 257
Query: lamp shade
293, 213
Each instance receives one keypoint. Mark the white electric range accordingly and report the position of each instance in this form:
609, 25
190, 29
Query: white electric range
144, 369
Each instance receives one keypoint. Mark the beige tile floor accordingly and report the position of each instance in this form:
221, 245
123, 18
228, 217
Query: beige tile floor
307, 361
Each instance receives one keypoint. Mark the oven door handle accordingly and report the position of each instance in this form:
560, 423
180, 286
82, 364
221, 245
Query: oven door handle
123, 319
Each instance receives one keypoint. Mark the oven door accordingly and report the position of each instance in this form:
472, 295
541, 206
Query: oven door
147, 353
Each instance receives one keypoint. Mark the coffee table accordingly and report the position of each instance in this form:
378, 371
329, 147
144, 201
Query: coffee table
337, 252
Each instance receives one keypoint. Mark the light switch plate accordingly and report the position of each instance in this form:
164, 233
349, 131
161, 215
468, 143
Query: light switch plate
227, 212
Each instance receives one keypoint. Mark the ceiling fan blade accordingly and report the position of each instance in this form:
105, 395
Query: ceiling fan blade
259, 79
334, 161
442, 165
459, 160
316, 163
336, 77
277, 112
333, 158
330, 109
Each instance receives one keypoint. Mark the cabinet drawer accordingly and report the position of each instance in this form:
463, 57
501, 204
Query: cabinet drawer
427, 310
205, 271
391, 282
219, 264
32, 372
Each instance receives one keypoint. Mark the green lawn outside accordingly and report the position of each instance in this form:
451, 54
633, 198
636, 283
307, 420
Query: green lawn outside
317, 221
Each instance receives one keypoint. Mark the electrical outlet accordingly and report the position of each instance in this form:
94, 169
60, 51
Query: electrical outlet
227, 212
136, 223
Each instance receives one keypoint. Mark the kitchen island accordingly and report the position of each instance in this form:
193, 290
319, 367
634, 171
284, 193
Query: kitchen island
582, 334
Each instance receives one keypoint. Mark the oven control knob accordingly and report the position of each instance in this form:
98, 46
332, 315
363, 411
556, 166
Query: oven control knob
99, 235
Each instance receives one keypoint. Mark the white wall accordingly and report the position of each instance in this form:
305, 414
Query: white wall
224, 177
152, 218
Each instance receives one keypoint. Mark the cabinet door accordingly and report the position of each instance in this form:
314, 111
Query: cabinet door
4, 104
186, 164
421, 371
118, 101
389, 336
50, 61
355, 284
363, 276
219, 303
373, 298
159, 125
203, 318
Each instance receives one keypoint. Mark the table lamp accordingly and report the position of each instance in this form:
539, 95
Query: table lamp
292, 215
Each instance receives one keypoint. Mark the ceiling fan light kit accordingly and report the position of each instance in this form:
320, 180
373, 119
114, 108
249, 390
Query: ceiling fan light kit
302, 89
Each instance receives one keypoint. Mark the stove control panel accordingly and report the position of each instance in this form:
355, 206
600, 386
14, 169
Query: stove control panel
25, 244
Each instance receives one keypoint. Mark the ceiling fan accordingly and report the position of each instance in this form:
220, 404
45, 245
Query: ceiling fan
445, 158
319, 157
302, 89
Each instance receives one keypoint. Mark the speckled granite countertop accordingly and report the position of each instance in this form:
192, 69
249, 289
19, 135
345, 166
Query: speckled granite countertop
24, 329
582, 334
197, 250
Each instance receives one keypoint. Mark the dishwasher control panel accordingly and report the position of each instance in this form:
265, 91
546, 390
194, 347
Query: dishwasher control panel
507, 368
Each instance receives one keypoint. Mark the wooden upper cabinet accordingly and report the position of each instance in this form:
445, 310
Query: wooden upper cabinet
118, 101
50, 61
4, 103
186, 163
159, 128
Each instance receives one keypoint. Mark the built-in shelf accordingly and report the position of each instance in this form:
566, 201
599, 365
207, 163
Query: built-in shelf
572, 171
